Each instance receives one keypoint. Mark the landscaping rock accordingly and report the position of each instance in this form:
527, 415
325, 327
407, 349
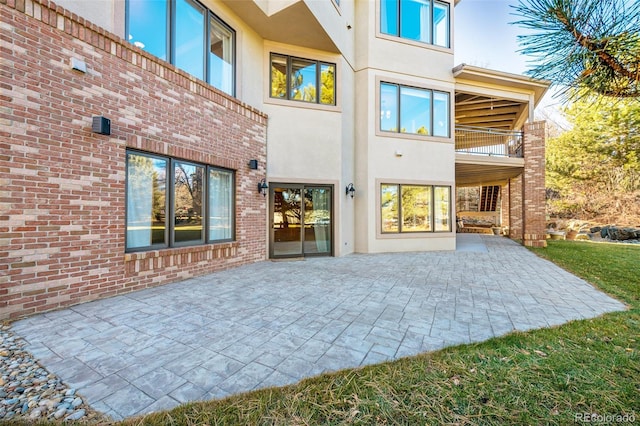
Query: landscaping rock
29, 392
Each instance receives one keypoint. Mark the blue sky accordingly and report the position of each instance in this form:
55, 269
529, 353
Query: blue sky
484, 37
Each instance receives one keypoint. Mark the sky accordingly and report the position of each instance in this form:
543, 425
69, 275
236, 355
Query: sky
485, 38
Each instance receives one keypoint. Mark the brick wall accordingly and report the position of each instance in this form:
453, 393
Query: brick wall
534, 185
62, 187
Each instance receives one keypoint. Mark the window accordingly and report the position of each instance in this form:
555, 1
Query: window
426, 21
186, 34
415, 208
413, 110
303, 80
173, 203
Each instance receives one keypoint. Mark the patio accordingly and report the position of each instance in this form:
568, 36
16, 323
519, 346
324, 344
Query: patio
274, 323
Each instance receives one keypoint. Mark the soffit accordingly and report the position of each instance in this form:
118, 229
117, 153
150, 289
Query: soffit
483, 107
485, 174
293, 24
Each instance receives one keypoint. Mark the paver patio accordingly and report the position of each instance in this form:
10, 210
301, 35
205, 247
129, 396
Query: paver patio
274, 323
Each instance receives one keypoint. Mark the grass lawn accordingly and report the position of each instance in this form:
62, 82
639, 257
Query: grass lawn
551, 376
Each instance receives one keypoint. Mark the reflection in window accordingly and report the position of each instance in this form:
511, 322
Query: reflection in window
415, 115
187, 199
441, 208
220, 205
146, 201
413, 110
389, 203
415, 20
299, 79
302, 83
220, 55
441, 114
189, 41
389, 107
414, 208
191, 37
150, 221
426, 21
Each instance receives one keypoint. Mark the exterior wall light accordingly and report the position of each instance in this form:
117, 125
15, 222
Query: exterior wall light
101, 125
262, 187
350, 190
253, 164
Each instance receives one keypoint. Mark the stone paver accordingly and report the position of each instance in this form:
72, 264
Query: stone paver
274, 323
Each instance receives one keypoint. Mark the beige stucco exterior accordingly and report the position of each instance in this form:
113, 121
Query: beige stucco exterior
341, 144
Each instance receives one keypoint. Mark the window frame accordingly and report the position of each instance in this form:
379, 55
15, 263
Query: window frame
432, 206
170, 42
170, 214
318, 77
398, 102
433, 27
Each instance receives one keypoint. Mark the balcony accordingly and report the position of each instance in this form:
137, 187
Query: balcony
488, 142
486, 156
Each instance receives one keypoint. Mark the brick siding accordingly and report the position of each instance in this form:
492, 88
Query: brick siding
62, 187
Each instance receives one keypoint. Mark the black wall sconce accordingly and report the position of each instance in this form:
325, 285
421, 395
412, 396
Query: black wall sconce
101, 125
253, 164
262, 187
350, 190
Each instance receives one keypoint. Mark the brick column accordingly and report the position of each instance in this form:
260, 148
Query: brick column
533, 194
504, 205
515, 207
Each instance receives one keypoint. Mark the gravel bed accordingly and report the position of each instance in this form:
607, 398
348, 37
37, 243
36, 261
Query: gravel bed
30, 392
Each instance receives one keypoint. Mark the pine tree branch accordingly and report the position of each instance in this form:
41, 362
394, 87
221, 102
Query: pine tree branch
594, 46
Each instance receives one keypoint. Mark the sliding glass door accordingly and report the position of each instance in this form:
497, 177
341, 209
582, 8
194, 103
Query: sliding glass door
301, 220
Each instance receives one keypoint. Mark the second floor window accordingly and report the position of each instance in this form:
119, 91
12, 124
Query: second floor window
186, 34
304, 80
406, 109
426, 21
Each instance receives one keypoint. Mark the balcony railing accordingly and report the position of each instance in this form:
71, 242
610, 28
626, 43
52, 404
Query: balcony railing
485, 141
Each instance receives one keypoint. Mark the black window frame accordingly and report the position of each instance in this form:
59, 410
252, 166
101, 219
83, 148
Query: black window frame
171, 39
169, 237
318, 63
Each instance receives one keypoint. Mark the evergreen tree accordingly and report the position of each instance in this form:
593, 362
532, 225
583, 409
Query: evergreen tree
584, 44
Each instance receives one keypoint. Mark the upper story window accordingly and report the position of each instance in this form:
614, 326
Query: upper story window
426, 21
406, 109
186, 34
304, 80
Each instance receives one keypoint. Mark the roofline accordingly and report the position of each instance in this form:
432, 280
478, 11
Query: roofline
473, 73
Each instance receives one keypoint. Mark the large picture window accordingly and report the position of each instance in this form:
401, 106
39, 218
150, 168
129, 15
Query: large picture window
304, 80
173, 203
426, 21
186, 34
415, 208
413, 110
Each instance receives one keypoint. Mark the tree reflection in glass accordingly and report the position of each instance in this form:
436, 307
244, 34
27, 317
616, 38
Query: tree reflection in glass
188, 213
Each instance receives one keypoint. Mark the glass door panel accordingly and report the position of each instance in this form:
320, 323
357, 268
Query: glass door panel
317, 220
301, 220
287, 226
